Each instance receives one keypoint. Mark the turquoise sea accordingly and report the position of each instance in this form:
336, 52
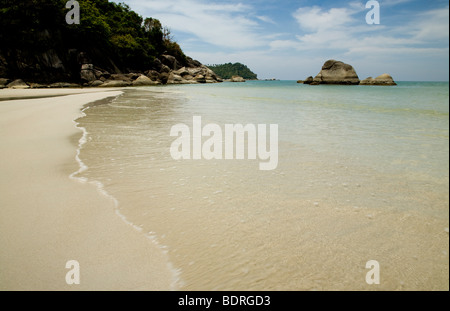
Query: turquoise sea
363, 174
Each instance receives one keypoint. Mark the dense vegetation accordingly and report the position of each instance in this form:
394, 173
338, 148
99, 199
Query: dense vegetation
114, 37
226, 71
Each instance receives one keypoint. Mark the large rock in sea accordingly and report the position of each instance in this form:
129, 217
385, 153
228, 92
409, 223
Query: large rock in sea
384, 79
308, 80
336, 72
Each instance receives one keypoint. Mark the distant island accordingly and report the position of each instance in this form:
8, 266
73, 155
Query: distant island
227, 71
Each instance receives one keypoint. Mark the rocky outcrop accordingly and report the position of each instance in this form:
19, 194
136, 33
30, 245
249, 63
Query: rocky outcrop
336, 72
166, 70
308, 80
193, 75
144, 81
237, 79
170, 61
384, 79
152, 74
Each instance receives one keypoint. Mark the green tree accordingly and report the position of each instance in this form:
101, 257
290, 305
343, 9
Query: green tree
226, 71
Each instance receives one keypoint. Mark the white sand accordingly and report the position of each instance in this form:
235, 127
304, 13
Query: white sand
47, 219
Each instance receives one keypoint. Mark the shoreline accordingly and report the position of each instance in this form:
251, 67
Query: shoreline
48, 218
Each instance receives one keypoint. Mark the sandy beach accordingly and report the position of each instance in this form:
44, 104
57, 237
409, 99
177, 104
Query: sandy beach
47, 218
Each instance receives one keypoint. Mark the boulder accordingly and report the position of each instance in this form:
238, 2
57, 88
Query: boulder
96, 83
64, 85
336, 72
87, 73
384, 79
87, 67
133, 76
200, 78
144, 81
182, 72
170, 61
152, 74
115, 83
18, 84
4, 81
38, 86
193, 63
195, 71
163, 77
105, 76
120, 77
165, 69
174, 78
237, 79
308, 80
157, 65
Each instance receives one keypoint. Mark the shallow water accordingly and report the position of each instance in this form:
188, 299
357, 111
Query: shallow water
362, 175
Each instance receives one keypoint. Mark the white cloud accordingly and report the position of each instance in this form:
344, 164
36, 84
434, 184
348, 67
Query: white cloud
266, 19
223, 25
337, 29
316, 19
433, 25
285, 44
388, 3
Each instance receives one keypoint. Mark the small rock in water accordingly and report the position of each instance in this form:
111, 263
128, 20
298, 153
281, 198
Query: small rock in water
446, 229
370, 216
316, 203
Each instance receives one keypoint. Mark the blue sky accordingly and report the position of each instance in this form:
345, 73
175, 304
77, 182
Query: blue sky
291, 39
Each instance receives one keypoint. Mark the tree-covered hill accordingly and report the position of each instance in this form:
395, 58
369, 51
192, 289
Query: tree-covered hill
226, 71
36, 43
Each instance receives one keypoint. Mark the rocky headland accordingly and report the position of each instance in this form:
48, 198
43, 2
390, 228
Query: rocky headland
167, 70
111, 46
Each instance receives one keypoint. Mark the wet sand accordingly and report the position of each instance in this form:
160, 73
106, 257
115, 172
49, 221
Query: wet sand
47, 218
